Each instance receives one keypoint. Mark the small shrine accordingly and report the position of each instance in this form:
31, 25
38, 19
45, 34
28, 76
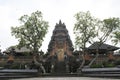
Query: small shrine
106, 51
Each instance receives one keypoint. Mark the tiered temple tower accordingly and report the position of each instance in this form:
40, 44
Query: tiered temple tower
60, 49
60, 44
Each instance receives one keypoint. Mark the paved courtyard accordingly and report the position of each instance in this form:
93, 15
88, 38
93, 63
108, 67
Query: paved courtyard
66, 78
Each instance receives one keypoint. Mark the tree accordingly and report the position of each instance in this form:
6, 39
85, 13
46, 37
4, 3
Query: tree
88, 28
108, 27
105, 30
116, 33
85, 31
116, 37
31, 31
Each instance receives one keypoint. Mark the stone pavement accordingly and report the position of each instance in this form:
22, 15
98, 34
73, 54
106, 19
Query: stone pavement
65, 78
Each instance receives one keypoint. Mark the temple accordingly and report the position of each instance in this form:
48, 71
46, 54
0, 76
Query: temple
61, 58
60, 47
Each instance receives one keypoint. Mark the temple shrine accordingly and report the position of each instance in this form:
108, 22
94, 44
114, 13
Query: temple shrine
60, 48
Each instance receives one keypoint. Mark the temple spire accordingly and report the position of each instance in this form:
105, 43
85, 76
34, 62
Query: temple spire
60, 22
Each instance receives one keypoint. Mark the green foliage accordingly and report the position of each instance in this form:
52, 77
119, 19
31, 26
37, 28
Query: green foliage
116, 33
117, 62
87, 28
105, 65
2, 64
96, 66
109, 64
108, 27
32, 31
15, 66
84, 28
116, 37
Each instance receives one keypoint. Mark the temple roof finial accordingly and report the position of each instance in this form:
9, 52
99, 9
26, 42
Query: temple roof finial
60, 22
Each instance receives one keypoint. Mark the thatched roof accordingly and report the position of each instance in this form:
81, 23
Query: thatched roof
17, 50
102, 47
23, 49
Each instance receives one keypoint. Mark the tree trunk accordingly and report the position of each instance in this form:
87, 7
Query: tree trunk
83, 62
93, 60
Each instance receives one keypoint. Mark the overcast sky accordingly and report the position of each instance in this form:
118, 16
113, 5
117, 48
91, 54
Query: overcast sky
53, 11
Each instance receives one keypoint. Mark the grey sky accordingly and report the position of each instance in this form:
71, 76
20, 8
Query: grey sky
53, 11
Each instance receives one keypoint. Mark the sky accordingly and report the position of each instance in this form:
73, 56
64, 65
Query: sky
53, 11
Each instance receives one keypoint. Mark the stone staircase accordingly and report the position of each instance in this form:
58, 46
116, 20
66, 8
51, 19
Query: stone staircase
60, 67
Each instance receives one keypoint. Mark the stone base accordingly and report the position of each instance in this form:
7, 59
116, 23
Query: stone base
60, 67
